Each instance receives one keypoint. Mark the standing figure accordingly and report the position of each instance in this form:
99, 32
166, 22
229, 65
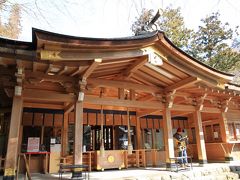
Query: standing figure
182, 146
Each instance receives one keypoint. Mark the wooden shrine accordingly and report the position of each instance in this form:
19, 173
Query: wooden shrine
89, 98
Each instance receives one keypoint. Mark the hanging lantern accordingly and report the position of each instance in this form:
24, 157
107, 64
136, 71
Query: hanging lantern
102, 150
130, 147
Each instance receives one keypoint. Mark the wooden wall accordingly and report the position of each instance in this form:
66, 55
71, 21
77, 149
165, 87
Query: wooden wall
93, 117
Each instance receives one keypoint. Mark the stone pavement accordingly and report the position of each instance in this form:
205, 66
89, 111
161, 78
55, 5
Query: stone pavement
210, 171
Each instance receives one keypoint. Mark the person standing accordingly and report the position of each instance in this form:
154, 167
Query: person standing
182, 146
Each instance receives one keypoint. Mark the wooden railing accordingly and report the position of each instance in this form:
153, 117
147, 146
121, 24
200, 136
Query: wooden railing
139, 158
136, 159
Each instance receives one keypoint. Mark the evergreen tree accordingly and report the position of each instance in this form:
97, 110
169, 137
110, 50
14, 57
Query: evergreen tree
210, 44
170, 22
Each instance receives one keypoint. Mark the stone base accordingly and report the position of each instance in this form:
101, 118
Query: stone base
76, 174
202, 162
227, 159
171, 166
8, 177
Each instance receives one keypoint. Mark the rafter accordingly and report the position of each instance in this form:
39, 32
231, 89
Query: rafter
91, 68
63, 70
162, 71
77, 71
183, 83
134, 67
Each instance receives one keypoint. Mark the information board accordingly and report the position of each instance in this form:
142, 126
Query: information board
33, 144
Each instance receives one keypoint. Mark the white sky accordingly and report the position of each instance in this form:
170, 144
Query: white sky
113, 18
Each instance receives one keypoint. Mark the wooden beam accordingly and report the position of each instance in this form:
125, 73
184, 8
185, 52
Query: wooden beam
13, 139
200, 101
47, 96
69, 108
210, 110
91, 68
15, 53
181, 84
63, 70
45, 77
49, 68
42, 105
134, 67
163, 72
148, 97
82, 56
203, 75
77, 71
122, 103
123, 84
183, 108
146, 112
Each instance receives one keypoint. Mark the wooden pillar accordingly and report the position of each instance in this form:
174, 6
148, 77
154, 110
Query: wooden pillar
225, 136
224, 127
78, 133
202, 156
168, 135
65, 134
138, 133
154, 139
13, 138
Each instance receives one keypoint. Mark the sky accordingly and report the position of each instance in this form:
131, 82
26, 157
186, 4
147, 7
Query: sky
113, 18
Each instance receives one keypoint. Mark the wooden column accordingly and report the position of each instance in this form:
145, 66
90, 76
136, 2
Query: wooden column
138, 133
225, 136
202, 156
13, 138
224, 127
154, 138
78, 133
65, 134
168, 135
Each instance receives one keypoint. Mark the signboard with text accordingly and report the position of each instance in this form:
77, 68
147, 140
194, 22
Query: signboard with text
33, 144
